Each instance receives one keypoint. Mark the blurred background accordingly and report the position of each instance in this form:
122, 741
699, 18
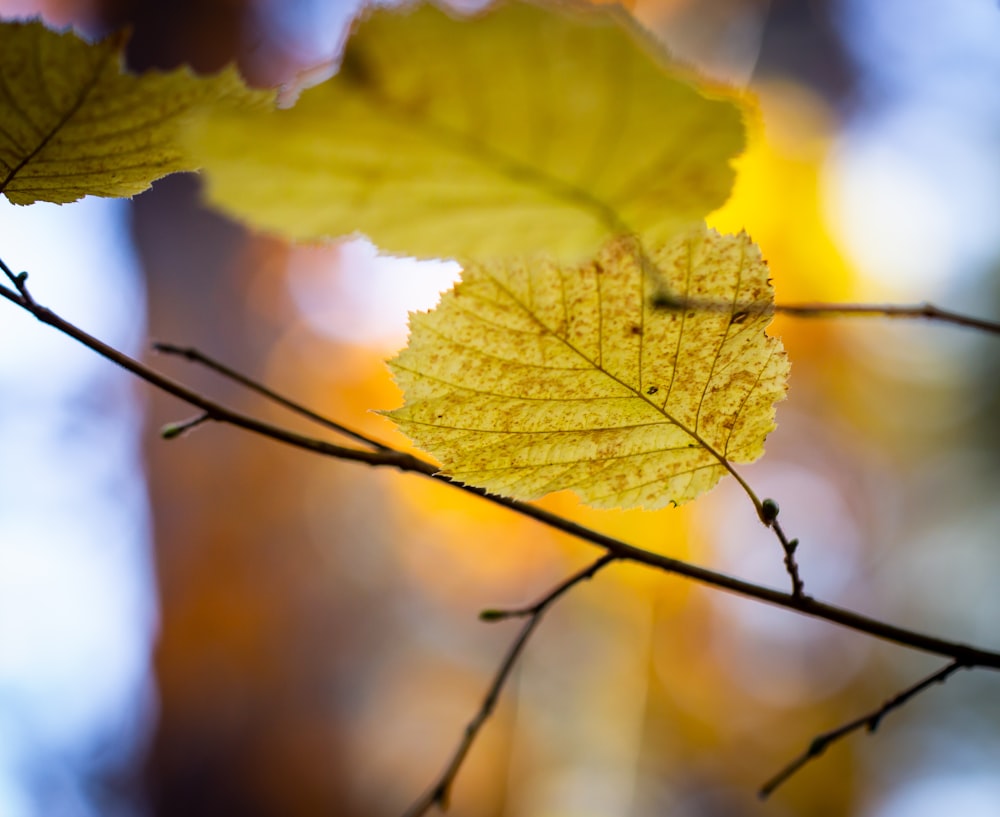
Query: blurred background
220, 626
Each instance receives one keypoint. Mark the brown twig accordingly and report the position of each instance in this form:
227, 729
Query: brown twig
871, 722
195, 356
438, 793
925, 311
766, 510
213, 411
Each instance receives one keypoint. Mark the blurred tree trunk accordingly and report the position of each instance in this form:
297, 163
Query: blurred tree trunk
249, 655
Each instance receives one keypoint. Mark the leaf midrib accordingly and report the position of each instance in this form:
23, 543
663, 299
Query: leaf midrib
723, 461
491, 158
85, 91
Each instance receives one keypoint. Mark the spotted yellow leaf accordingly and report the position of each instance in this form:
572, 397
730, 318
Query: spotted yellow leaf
528, 127
73, 124
537, 377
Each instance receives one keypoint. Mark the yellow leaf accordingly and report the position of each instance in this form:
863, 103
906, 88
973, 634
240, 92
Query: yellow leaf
537, 377
525, 128
72, 124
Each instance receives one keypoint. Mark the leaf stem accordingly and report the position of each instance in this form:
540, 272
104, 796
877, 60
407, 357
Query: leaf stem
769, 516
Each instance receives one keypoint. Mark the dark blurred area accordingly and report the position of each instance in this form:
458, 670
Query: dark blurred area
255, 653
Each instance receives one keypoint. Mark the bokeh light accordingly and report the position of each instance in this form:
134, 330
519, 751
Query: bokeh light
76, 606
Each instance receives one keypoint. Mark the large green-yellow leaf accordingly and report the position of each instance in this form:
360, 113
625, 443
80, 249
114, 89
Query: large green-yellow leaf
531, 378
530, 127
73, 124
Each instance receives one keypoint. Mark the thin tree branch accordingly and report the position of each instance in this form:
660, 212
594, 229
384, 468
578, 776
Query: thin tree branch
805, 605
767, 510
195, 356
926, 311
871, 722
791, 565
214, 411
439, 791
